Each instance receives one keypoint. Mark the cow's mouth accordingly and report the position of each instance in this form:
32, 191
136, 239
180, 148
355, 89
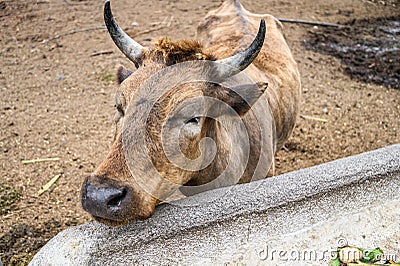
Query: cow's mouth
110, 222
120, 222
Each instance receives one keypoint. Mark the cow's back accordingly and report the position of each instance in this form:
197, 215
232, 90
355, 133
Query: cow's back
230, 29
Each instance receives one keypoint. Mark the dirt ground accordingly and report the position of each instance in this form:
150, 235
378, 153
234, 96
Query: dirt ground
57, 97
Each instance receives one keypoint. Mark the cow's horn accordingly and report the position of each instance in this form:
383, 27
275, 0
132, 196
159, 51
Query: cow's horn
243, 59
126, 44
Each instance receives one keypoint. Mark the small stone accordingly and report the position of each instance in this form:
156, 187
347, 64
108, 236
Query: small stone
60, 77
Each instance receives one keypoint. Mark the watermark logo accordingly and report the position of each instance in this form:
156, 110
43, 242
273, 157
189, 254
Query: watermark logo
342, 242
186, 119
283, 255
339, 255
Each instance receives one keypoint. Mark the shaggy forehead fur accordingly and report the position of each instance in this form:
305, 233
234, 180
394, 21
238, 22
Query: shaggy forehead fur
171, 52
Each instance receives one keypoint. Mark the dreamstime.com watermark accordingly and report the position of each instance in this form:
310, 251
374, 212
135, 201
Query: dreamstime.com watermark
272, 254
269, 253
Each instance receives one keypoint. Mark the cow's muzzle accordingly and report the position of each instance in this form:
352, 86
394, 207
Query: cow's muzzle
106, 201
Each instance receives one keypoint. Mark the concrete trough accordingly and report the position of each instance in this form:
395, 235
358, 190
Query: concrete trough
298, 218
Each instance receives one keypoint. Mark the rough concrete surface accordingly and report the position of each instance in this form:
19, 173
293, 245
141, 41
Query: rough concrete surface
295, 219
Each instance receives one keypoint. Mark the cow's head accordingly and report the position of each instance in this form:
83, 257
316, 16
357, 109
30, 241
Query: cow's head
112, 194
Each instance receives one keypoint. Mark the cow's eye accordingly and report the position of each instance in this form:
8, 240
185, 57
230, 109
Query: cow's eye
194, 120
192, 127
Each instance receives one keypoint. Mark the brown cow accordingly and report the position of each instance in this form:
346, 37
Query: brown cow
117, 193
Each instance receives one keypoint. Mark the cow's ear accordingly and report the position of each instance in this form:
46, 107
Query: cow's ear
241, 98
122, 74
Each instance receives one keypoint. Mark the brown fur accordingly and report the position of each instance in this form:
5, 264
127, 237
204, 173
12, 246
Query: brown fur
171, 52
222, 33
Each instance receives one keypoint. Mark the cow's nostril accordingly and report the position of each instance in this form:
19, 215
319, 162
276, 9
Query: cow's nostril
105, 200
116, 199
